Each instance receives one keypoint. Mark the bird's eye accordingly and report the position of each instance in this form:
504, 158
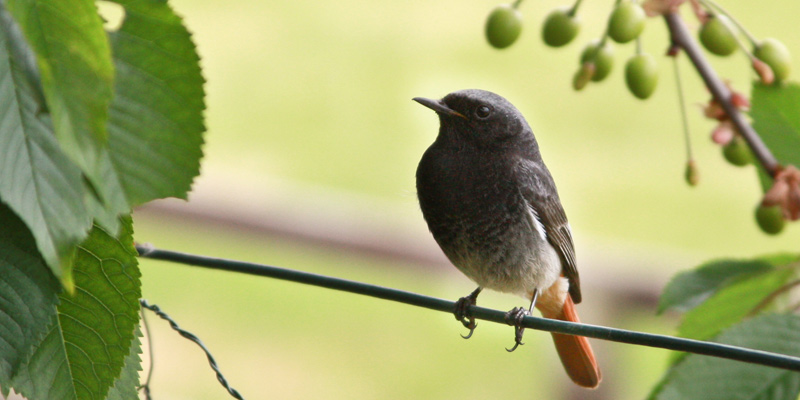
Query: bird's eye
483, 112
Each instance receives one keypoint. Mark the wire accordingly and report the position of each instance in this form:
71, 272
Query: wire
542, 324
188, 335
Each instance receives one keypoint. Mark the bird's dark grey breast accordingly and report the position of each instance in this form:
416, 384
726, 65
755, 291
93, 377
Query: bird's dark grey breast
476, 213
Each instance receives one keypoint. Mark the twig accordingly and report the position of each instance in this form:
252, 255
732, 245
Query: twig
543, 324
683, 38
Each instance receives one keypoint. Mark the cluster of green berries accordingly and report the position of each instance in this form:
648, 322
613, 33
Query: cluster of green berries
562, 25
717, 35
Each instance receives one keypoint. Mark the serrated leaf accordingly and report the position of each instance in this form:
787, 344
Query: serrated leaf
156, 120
776, 117
74, 61
731, 304
126, 385
711, 378
85, 350
28, 295
688, 289
37, 180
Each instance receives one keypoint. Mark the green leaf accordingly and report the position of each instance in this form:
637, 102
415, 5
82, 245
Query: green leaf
711, 378
74, 62
37, 180
125, 387
28, 295
87, 346
776, 117
731, 304
689, 288
156, 120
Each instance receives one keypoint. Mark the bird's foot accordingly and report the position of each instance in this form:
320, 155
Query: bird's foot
514, 318
462, 314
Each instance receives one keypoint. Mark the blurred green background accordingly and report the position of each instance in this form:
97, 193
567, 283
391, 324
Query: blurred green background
310, 121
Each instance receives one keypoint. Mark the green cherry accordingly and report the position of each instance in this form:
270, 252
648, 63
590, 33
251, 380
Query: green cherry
770, 219
717, 37
641, 75
626, 22
737, 153
776, 55
560, 27
601, 57
503, 26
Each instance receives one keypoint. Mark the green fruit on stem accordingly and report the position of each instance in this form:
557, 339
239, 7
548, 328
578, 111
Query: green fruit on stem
691, 174
641, 75
770, 219
503, 26
717, 36
560, 27
776, 55
626, 22
737, 152
601, 57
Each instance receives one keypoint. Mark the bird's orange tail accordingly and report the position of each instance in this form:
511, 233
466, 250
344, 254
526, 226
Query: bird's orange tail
575, 352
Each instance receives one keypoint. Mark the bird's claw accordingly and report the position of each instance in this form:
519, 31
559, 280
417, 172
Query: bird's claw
462, 314
514, 318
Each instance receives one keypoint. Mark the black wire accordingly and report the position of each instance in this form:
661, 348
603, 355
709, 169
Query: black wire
543, 324
188, 335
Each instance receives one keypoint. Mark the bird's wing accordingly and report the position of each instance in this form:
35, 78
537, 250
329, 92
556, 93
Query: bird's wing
539, 191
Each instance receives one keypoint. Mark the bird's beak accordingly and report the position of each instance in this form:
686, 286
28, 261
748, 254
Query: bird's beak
438, 106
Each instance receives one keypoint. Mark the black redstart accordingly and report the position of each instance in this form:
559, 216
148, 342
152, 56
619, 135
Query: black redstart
493, 208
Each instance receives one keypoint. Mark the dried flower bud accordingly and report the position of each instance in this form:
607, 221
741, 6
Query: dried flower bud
764, 71
739, 101
700, 12
654, 8
713, 110
785, 192
673, 50
723, 133
583, 76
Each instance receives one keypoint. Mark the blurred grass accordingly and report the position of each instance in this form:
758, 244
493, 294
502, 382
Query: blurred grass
319, 93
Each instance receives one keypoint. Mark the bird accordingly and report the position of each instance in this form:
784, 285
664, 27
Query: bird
492, 207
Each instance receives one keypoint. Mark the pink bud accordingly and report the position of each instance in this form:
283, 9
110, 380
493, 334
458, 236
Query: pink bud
764, 71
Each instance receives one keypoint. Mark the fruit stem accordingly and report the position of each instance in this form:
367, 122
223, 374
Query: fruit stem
516, 4
711, 4
605, 31
682, 37
574, 9
684, 116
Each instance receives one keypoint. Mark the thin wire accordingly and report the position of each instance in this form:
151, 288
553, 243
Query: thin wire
188, 335
146, 385
542, 324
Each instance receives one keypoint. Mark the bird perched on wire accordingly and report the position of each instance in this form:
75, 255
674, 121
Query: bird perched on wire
493, 208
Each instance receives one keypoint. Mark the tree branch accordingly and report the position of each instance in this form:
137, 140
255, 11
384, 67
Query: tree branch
683, 39
542, 324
